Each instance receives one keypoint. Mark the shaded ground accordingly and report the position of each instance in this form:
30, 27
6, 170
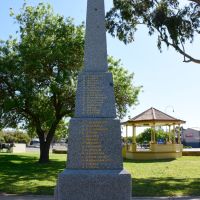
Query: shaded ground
22, 174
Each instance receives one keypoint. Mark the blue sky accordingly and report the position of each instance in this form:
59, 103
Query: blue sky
168, 83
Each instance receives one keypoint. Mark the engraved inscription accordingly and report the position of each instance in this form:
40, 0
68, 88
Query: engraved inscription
93, 95
92, 150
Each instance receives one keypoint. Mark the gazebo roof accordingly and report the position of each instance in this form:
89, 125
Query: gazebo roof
153, 116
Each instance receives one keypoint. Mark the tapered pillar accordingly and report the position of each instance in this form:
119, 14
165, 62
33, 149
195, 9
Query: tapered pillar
94, 162
95, 40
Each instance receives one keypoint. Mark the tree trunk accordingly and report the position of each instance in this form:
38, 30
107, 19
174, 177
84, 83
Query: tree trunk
45, 142
44, 152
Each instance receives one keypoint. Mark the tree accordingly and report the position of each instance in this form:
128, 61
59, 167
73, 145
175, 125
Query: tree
62, 130
38, 75
38, 72
174, 23
145, 136
15, 136
126, 94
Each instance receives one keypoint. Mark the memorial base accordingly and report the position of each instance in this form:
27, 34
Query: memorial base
93, 185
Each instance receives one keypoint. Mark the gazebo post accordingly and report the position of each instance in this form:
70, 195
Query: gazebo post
174, 134
153, 138
152, 118
134, 145
169, 134
153, 134
126, 140
179, 132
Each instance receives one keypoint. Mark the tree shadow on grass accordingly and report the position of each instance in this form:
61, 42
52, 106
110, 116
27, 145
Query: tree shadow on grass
168, 186
22, 174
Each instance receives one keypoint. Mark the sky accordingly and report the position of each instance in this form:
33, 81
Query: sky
168, 84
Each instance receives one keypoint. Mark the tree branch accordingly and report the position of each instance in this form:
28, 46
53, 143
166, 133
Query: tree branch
52, 130
196, 1
190, 58
182, 52
35, 120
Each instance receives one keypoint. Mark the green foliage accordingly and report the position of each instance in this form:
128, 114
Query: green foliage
126, 94
145, 136
62, 130
187, 147
38, 74
39, 71
127, 139
31, 132
174, 23
2, 140
161, 134
14, 137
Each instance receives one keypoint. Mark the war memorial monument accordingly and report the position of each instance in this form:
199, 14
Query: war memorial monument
94, 163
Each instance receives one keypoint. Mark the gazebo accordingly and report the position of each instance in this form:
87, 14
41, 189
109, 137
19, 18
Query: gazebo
153, 118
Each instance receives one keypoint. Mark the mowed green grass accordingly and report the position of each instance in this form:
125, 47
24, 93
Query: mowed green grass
180, 177
22, 174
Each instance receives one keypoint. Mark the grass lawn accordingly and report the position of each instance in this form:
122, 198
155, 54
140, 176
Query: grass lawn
22, 174
179, 177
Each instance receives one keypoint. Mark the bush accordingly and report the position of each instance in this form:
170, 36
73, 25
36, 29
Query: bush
15, 137
21, 137
2, 140
128, 139
161, 134
145, 136
187, 147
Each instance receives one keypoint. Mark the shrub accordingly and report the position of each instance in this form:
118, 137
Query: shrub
128, 139
187, 147
145, 136
21, 137
16, 137
8, 137
2, 140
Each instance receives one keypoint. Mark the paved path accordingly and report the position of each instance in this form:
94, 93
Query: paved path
192, 149
29, 197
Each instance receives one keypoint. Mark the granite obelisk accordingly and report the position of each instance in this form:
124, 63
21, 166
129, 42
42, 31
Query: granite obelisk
94, 164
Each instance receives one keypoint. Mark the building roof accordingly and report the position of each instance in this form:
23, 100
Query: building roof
195, 128
153, 116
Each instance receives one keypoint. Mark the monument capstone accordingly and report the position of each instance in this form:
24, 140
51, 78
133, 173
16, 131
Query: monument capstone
94, 163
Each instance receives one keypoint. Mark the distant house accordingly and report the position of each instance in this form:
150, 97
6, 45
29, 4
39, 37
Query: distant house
191, 137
